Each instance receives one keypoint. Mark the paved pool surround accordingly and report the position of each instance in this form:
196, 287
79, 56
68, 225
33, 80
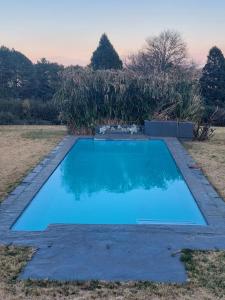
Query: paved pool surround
113, 252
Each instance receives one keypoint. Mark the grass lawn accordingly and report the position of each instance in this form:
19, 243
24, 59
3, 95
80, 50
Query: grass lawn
210, 156
22, 147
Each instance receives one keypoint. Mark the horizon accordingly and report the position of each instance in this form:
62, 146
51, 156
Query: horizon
69, 32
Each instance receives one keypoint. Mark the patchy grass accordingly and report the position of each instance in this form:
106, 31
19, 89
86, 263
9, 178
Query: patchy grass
206, 269
43, 134
206, 281
22, 147
210, 156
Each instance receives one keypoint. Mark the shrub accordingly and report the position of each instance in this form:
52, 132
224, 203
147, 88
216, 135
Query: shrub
6, 118
87, 98
28, 112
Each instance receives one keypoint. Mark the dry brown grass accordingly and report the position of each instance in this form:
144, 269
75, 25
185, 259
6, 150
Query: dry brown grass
210, 156
206, 272
21, 148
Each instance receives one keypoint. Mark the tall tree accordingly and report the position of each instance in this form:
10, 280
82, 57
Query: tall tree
16, 74
212, 81
105, 56
47, 79
162, 54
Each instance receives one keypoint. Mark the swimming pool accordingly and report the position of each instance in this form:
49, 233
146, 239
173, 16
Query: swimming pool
113, 182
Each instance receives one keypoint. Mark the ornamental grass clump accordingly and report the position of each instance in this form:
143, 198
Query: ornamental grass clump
88, 98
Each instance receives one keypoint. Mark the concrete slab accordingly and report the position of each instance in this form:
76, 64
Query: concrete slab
95, 256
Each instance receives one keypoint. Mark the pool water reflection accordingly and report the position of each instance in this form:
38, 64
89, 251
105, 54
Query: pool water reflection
113, 182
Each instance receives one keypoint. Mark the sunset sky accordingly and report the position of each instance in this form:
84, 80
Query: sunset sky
67, 31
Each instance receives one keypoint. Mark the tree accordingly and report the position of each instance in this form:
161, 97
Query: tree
47, 79
163, 53
16, 74
212, 81
105, 57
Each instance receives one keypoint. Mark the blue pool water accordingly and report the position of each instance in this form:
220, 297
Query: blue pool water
113, 182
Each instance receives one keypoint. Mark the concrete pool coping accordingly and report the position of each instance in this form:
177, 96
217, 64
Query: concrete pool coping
204, 237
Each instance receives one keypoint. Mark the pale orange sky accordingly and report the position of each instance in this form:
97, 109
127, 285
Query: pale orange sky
68, 31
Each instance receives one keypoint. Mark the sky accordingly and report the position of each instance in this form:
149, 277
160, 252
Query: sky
68, 31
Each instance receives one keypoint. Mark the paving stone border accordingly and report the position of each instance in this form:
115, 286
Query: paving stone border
108, 240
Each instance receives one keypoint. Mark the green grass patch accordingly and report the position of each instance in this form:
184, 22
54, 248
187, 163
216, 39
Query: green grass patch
42, 134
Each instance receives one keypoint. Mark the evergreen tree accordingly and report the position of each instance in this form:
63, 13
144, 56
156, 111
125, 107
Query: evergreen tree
212, 82
105, 56
16, 74
47, 79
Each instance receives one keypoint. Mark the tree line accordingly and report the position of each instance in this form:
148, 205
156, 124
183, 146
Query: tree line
158, 81
27, 89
